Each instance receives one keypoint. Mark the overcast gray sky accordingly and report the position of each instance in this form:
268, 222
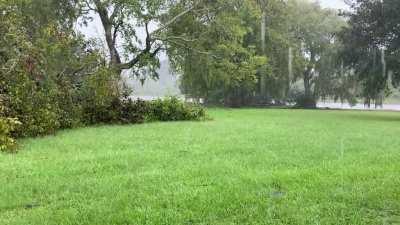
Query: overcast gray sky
337, 4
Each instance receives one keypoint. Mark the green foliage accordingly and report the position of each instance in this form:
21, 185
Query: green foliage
278, 39
131, 112
218, 66
33, 105
173, 109
103, 103
42, 67
55, 79
317, 29
229, 61
39, 79
7, 126
99, 93
69, 106
371, 47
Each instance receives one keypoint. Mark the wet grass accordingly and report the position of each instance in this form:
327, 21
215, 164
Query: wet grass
249, 166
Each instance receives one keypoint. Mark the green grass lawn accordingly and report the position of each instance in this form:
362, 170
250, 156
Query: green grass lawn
245, 166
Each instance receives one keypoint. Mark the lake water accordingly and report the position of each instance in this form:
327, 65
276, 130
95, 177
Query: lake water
331, 105
392, 107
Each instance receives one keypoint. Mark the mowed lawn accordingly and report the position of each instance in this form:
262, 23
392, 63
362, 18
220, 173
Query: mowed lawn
247, 166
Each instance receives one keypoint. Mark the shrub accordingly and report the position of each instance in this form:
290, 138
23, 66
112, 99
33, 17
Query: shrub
173, 109
69, 108
103, 103
100, 98
33, 103
7, 142
134, 111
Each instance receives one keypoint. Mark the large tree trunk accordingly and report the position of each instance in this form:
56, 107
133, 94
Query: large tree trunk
110, 31
263, 77
309, 100
307, 84
290, 64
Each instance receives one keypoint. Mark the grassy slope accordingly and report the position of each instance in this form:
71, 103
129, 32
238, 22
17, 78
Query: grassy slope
244, 167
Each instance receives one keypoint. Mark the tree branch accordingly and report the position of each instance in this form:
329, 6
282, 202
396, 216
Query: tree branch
174, 19
116, 29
